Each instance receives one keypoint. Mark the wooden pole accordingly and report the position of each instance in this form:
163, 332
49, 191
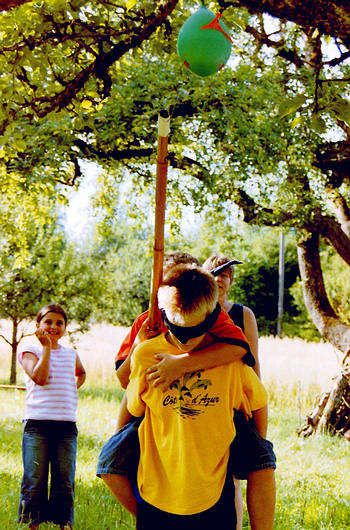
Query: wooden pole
13, 387
158, 249
280, 285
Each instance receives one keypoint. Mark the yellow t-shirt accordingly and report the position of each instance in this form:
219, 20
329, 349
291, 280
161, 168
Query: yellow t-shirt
186, 433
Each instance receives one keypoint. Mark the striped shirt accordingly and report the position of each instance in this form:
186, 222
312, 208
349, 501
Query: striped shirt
58, 398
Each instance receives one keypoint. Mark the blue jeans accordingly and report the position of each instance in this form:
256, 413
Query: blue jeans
249, 452
121, 453
48, 443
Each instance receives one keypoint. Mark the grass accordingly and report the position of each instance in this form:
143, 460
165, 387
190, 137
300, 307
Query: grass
313, 480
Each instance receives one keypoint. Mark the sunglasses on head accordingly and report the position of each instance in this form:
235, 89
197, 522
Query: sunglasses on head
184, 334
221, 268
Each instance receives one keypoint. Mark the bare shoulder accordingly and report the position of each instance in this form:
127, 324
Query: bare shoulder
250, 324
248, 314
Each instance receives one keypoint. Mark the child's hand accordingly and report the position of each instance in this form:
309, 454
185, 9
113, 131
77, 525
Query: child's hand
168, 368
43, 337
146, 332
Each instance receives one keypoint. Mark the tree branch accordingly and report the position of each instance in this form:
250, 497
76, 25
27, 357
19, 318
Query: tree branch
279, 46
316, 300
42, 106
5, 339
330, 17
6, 5
338, 205
330, 230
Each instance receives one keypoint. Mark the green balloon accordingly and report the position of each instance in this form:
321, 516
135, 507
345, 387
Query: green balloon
204, 43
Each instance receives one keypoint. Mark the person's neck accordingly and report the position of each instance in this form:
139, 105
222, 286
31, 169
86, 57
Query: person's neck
225, 304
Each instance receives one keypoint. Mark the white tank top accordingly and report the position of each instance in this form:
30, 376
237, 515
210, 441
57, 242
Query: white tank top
58, 398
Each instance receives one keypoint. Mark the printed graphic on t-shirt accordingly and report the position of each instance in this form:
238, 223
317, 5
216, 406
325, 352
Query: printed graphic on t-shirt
191, 398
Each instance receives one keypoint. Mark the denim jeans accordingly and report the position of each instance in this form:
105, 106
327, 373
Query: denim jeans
120, 455
48, 444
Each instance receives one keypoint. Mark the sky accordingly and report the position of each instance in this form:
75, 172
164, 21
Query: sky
78, 214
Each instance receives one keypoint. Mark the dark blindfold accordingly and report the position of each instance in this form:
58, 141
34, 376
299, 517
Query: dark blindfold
184, 334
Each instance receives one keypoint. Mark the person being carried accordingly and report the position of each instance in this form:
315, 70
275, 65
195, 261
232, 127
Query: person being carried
186, 433
223, 328
118, 458
53, 373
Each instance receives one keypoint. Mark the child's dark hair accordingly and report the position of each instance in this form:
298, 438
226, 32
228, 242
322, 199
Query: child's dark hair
51, 308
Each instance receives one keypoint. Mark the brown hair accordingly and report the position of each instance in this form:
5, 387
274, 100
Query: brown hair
51, 308
187, 294
176, 258
215, 260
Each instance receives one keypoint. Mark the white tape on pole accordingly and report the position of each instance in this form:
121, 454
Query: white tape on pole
163, 126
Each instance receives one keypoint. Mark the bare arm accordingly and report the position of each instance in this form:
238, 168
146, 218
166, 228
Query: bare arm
80, 373
145, 332
124, 415
260, 418
123, 372
170, 367
38, 369
251, 333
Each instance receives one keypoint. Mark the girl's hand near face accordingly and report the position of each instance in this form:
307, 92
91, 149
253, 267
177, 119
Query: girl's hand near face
43, 337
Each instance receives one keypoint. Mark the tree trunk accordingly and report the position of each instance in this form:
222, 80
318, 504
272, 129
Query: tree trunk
14, 344
331, 412
316, 300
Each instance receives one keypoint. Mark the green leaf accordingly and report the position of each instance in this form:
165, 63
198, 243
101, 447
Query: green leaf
20, 145
318, 123
288, 106
130, 4
342, 110
238, 22
296, 122
86, 104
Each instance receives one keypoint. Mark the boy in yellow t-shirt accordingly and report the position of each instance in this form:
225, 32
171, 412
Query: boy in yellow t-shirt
186, 433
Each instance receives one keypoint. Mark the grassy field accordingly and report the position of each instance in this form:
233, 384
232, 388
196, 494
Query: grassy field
313, 479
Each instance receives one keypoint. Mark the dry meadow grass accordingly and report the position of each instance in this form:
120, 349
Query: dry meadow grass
287, 362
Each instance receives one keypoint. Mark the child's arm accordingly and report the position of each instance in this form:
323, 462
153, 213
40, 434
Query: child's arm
251, 333
124, 415
123, 371
171, 367
80, 373
260, 418
144, 333
38, 369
